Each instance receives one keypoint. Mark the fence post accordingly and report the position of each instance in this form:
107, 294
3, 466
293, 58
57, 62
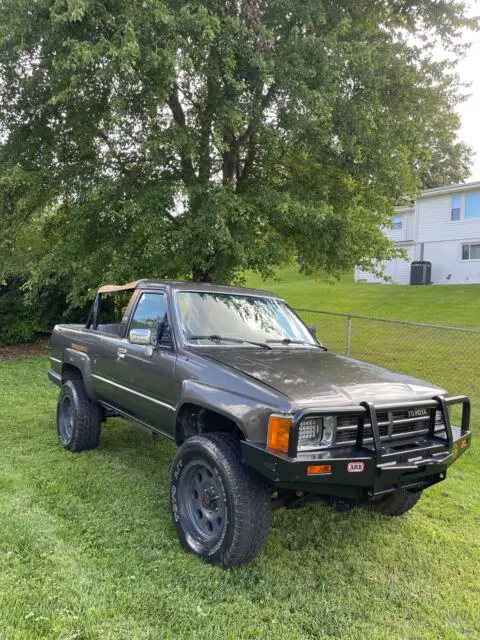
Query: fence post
349, 328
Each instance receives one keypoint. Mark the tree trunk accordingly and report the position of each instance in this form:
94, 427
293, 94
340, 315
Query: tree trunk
202, 275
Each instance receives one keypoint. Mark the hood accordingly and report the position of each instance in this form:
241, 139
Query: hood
312, 376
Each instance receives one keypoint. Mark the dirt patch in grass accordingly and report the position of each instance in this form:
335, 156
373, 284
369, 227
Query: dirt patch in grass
14, 352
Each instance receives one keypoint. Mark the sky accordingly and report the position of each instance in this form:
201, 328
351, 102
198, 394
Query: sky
469, 71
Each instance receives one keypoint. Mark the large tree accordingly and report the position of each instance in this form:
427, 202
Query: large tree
202, 138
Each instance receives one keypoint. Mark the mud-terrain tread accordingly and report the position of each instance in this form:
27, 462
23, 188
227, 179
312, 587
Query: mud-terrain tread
87, 418
395, 504
249, 496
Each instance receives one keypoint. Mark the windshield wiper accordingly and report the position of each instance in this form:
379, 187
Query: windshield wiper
290, 341
215, 337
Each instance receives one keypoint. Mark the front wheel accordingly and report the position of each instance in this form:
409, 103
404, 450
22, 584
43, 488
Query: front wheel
395, 504
221, 511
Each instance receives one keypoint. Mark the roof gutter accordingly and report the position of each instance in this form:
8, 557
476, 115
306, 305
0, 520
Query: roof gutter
456, 188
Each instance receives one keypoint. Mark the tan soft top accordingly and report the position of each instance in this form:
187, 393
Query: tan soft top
113, 288
179, 285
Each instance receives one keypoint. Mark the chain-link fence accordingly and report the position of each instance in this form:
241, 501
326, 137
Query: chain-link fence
447, 356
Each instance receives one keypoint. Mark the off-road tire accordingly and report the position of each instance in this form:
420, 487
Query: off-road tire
86, 418
243, 499
395, 504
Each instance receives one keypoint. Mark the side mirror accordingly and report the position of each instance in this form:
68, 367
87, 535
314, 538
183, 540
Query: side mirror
140, 336
313, 330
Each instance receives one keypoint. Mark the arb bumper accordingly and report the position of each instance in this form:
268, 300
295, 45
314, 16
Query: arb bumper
360, 471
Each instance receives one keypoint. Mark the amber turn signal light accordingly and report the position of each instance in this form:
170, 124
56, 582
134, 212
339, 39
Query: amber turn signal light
319, 469
279, 433
463, 443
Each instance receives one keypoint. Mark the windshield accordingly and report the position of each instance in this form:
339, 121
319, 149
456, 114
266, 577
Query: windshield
210, 317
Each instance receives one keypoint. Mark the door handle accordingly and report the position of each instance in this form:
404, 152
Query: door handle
121, 353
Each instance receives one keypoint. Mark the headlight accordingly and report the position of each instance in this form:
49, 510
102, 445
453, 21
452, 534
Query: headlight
315, 433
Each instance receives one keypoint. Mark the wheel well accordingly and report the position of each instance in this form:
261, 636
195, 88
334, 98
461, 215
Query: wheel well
193, 420
69, 372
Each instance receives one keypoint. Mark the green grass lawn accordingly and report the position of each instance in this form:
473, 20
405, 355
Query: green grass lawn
87, 548
455, 305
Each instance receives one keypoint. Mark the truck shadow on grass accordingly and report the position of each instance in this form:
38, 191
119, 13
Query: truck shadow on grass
134, 469
316, 527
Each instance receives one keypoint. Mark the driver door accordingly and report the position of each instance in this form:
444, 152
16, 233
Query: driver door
146, 372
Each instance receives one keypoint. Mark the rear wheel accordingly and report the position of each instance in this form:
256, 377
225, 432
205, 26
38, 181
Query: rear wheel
78, 418
221, 511
394, 504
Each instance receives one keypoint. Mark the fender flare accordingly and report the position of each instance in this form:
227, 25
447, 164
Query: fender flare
247, 414
81, 361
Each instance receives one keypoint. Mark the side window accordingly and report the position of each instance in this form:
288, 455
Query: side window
456, 208
397, 222
471, 252
472, 206
111, 311
151, 313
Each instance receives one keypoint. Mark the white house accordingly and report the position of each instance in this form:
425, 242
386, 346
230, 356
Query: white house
444, 228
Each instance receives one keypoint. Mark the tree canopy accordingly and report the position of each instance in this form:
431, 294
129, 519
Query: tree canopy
169, 138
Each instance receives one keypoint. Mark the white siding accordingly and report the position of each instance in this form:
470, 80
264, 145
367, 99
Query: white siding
397, 235
398, 270
402, 268
410, 227
407, 232
434, 222
447, 265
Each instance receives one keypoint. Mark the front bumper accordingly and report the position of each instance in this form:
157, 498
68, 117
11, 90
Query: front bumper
360, 472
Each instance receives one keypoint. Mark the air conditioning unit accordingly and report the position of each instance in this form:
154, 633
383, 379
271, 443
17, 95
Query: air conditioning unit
421, 272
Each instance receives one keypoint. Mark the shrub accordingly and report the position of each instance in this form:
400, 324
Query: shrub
22, 320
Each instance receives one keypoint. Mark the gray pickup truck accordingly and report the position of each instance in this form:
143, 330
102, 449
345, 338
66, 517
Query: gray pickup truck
264, 415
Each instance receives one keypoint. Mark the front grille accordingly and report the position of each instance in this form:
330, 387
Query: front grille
392, 425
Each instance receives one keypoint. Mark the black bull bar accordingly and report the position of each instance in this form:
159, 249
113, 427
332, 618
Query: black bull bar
367, 412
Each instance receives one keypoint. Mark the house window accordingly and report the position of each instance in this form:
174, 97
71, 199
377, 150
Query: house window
397, 222
472, 206
471, 251
456, 208
465, 207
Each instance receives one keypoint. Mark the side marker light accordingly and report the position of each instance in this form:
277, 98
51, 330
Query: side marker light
319, 469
